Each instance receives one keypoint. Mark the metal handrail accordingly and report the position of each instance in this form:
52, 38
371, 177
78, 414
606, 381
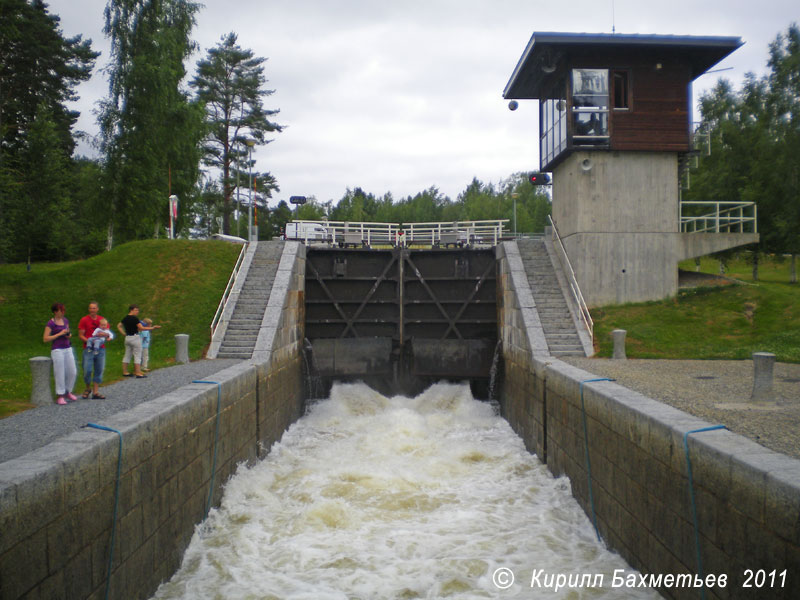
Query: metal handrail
586, 317
479, 232
467, 232
226, 294
726, 217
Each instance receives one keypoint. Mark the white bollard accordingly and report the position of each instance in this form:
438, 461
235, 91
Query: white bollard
181, 348
619, 343
41, 367
763, 363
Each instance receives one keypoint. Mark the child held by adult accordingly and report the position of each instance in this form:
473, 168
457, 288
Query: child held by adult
57, 333
94, 363
99, 337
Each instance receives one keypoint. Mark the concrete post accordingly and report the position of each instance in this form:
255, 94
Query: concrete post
41, 366
619, 343
181, 348
763, 363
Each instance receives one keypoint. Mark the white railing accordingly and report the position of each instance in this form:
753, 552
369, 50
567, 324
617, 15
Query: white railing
226, 294
457, 233
725, 217
367, 233
462, 233
566, 266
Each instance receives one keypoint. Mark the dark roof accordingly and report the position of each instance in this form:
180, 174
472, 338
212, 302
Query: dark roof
546, 49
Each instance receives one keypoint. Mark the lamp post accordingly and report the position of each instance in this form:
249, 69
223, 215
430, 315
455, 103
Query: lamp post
250, 143
514, 198
238, 194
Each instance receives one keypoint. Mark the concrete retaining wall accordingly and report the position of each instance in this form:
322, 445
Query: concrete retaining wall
747, 497
57, 503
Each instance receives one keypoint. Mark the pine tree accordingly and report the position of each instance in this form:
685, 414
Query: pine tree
39, 71
230, 83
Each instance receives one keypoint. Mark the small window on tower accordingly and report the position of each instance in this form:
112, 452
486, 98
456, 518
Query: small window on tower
621, 90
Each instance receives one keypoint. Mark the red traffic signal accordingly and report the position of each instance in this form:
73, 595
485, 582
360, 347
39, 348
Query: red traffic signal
539, 178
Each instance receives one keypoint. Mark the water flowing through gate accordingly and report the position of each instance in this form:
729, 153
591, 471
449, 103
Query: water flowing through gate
401, 318
373, 497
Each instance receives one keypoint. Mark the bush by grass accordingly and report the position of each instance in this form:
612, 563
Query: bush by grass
729, 322
177, 283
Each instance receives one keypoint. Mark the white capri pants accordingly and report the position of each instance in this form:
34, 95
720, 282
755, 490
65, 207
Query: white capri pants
133, 346
64, 370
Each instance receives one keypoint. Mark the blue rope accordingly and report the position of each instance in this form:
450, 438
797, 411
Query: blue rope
586, 448
116, 502
694, 505
216, 440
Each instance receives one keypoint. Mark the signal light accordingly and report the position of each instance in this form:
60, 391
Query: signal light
539, 178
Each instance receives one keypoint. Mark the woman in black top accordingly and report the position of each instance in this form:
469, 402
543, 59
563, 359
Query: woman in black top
130, 326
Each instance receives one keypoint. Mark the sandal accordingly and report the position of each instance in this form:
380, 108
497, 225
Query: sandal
86, 394
127, 374
98, 397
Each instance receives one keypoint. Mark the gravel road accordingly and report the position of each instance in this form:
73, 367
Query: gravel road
31, 429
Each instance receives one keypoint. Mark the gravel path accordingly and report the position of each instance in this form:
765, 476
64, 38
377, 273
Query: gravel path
717, 391
26, 431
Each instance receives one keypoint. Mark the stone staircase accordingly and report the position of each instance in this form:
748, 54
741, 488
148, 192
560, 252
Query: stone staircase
242, 333
559, 328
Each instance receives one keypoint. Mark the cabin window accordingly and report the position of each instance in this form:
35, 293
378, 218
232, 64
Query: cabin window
590, 101
621, 90
553, 119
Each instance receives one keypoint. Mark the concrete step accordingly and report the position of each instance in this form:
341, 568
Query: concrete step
239, 355
559, 353
236, 349
240, 338
559, 329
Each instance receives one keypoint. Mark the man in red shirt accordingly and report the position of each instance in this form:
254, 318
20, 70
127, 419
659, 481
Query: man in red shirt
93, 364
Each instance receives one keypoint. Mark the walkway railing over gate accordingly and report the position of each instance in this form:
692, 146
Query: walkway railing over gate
566, 266
448, 233
725, 217
461, 233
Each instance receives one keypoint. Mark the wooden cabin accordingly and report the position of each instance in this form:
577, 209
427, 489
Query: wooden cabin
613, 92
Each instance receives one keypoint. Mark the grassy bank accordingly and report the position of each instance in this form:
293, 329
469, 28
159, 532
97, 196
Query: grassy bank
715, 322
176, 283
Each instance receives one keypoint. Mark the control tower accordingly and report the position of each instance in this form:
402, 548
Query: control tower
614, 124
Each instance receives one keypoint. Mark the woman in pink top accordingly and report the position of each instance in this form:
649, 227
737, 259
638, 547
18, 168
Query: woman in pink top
57, 332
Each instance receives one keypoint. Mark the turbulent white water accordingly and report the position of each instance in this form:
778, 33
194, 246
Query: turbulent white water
369, 497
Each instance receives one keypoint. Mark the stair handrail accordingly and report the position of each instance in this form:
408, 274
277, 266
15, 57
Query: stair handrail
226, 294
566, 266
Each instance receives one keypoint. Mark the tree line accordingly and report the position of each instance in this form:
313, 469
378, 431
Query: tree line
161, 136
753, 152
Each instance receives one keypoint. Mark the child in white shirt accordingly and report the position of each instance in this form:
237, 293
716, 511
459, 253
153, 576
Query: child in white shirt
94, 343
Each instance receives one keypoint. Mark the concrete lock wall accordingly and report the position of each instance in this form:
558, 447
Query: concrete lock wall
57, 503
747, 497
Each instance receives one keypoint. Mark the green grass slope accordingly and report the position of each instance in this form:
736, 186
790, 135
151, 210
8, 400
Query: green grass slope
177, 283
720, 322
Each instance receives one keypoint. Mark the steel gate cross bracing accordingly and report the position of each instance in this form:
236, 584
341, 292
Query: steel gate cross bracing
407, 302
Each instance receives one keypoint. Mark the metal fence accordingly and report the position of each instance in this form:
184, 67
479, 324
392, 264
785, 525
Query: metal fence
724, 217
435, 234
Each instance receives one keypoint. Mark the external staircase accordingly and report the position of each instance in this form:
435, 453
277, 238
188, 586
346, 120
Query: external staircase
559, 327
245, 323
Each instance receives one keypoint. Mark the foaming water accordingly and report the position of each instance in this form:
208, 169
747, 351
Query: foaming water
394, 498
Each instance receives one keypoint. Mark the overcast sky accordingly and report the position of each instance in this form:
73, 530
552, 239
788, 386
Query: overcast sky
401, 95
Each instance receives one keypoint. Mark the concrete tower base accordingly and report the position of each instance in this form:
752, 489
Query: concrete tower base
618, 215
